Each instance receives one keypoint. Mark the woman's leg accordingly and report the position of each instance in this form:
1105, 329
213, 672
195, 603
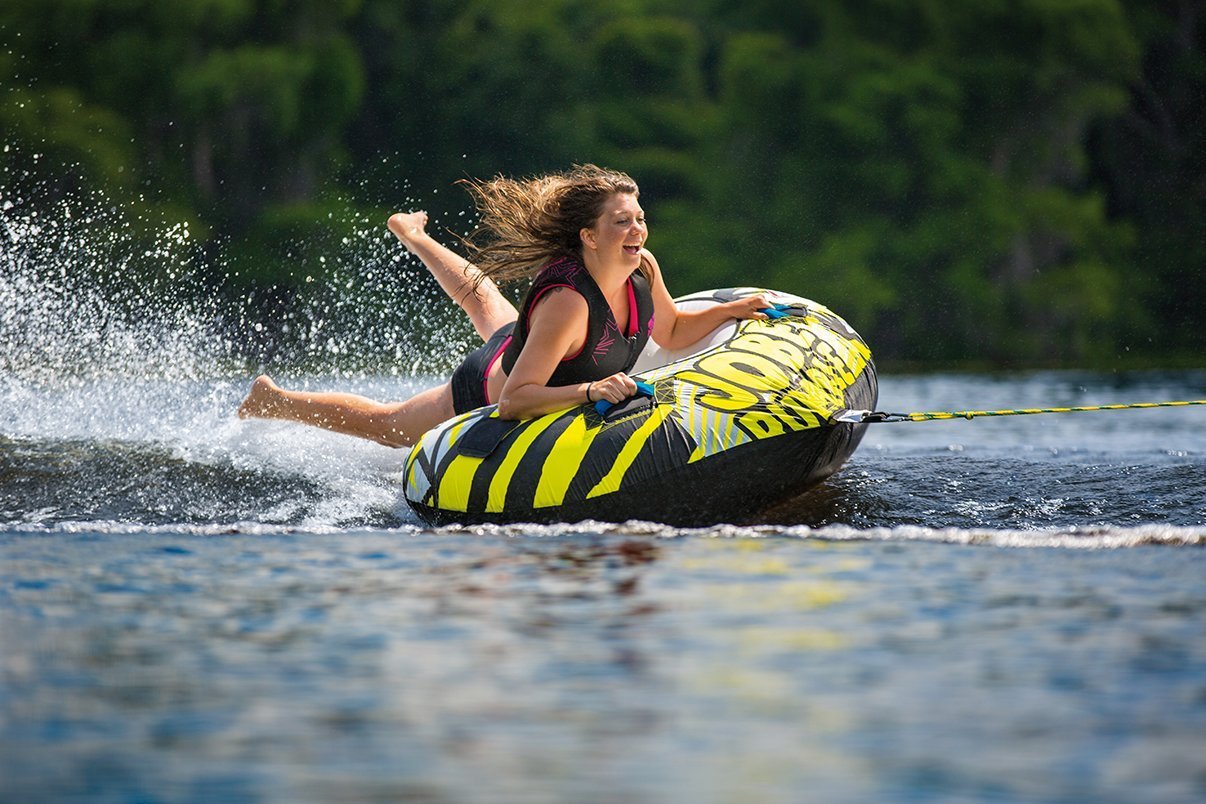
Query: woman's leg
395, 424
478, 296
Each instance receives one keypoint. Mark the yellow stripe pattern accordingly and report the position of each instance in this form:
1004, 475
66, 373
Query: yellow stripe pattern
563, 462
502, 478
458, 478
632, 447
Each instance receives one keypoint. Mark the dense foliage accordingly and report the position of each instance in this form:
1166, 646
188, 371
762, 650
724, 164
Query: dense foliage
1010, 182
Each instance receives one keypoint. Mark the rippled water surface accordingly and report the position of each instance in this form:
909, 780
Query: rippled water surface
194, 608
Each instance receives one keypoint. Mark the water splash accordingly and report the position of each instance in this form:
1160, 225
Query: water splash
125, 347
90, 287
77, 301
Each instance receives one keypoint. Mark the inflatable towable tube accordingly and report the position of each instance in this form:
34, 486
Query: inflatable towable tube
731, 426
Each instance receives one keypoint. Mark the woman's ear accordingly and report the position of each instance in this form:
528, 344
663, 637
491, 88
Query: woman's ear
588, 237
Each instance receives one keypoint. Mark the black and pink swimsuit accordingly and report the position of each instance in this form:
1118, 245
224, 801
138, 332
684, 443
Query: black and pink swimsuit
605, 351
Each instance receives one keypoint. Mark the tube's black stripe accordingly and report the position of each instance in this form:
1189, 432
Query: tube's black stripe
604, 450
435, 472
667, 449
479, 492
521, 493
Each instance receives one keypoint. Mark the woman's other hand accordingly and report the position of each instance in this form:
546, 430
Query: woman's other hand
749, 307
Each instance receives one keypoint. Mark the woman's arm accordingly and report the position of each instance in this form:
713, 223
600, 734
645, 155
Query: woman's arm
675, 329
556, 329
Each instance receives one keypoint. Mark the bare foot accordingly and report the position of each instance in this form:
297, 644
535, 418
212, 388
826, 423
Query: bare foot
262, 399
407, 226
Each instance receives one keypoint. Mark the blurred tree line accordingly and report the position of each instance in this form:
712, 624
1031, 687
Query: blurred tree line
1002, 182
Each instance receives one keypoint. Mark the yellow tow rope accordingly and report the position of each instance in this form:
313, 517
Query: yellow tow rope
876, 416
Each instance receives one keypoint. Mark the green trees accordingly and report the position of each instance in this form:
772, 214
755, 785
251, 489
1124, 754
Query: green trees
1014, 183
923, 167
1150, 161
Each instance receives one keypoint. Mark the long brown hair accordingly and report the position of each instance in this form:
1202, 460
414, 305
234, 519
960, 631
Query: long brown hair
524, 223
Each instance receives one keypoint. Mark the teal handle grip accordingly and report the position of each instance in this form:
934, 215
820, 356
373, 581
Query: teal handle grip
643, 389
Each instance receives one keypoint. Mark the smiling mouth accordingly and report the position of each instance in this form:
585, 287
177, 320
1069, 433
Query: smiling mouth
634, 250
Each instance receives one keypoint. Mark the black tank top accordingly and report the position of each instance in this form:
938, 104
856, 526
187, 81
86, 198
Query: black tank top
606, 349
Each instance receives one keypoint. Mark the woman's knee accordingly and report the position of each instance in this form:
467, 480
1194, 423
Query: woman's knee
407, 421
489, 310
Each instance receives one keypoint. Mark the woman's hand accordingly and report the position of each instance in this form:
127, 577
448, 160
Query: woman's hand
614, 389
408, 226
749, 307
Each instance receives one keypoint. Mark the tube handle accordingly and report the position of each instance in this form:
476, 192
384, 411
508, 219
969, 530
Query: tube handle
643, 389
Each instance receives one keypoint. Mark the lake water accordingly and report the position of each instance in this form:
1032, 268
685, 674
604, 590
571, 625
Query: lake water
198, 608
195, 608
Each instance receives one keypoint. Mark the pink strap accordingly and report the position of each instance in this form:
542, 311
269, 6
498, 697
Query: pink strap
490, 365
632, 310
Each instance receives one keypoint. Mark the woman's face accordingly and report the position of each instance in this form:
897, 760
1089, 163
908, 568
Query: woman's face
619, 232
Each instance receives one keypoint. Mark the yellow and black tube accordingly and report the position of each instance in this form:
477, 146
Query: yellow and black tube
737, 427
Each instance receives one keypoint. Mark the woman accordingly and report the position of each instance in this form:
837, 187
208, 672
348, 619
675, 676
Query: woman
597, 297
